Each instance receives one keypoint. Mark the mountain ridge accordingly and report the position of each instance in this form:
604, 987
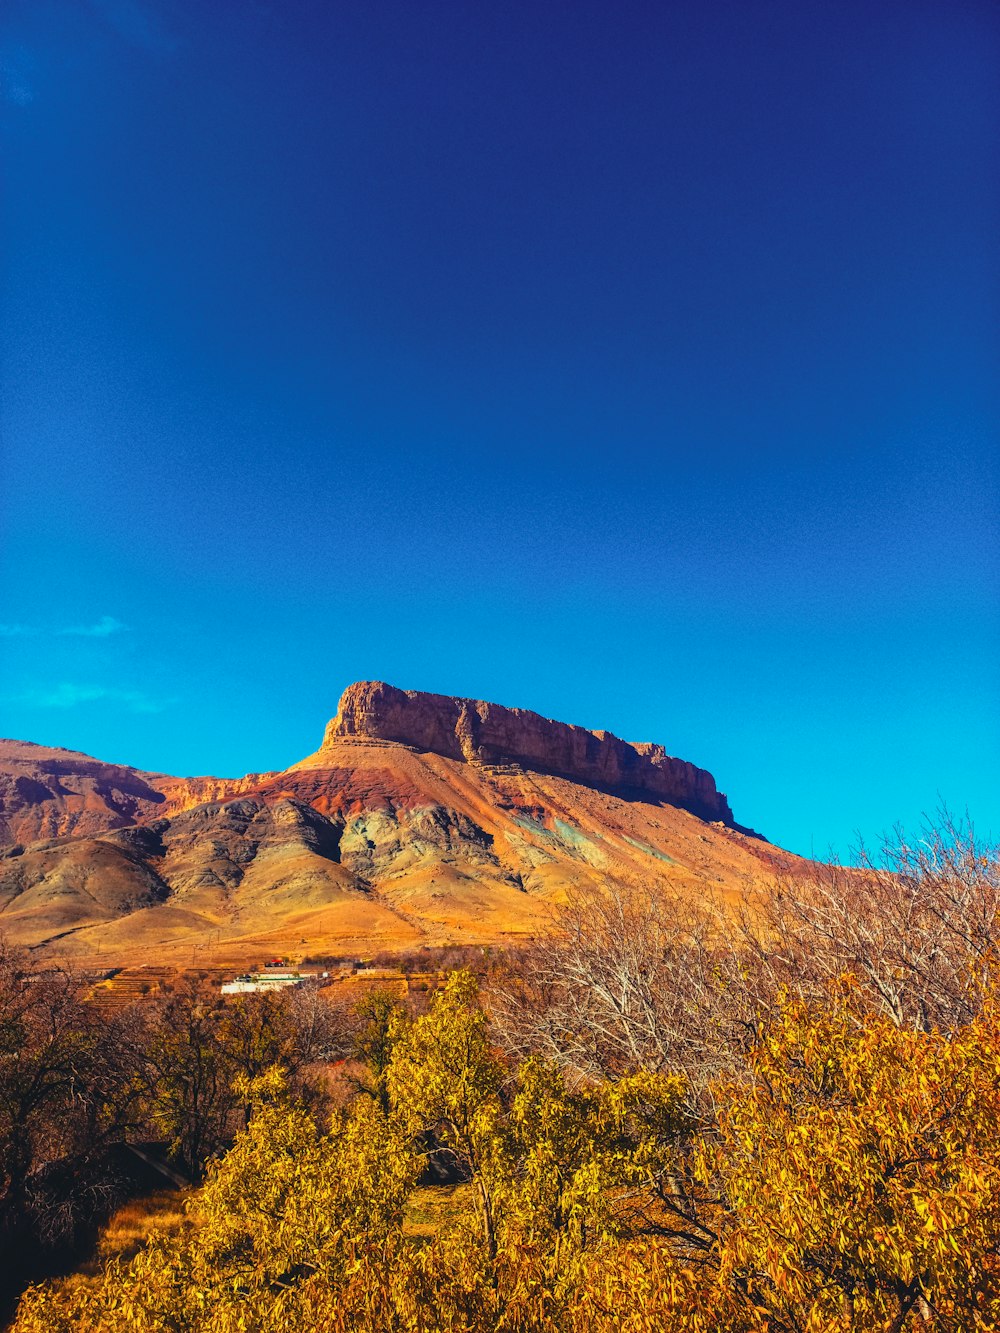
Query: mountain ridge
476, 731
420, 818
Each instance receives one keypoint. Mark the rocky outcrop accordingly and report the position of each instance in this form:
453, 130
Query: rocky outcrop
51, 793
48, 793
486, 734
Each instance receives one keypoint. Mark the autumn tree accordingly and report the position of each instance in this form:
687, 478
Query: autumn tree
860, 1173
634, 977
628, 978
198, 1044
379, 1022
917, 923
554, 1169
68, 1092
443, 1080
189, 1076
277, 1234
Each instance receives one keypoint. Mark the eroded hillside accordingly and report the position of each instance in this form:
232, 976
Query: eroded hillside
421, 818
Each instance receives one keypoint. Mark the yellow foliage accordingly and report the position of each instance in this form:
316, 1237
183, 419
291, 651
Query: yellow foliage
861, 1172
851, 1182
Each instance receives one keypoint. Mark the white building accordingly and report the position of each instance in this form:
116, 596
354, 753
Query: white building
263, 981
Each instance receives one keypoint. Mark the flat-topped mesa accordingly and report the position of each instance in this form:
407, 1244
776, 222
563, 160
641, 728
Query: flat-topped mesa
483, 733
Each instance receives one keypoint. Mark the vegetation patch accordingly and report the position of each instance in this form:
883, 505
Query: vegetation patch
663, 1118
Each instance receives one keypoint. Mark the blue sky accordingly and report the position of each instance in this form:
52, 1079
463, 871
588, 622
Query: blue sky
634, 363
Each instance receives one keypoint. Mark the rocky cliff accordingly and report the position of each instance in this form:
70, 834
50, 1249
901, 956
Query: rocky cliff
476, 732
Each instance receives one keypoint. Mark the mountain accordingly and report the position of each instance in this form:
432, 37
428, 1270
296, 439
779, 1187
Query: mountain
421, 819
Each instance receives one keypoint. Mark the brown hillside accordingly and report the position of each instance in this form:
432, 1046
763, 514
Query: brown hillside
421, 819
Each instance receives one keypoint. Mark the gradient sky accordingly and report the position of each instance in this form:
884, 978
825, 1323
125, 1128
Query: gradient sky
635, 363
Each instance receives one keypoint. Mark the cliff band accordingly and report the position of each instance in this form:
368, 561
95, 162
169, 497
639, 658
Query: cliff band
477, 732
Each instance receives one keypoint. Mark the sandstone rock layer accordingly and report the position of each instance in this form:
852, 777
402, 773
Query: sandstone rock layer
491, 735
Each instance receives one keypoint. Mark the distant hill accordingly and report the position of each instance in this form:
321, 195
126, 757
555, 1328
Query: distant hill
420, 819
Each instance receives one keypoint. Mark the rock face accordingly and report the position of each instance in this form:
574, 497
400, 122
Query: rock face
476, 732
47, 793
